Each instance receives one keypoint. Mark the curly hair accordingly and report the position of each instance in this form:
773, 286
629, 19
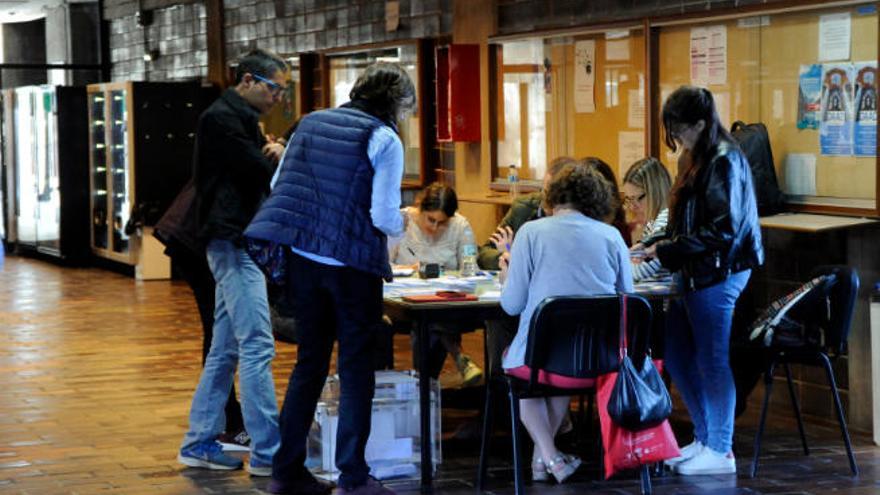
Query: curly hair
583, 188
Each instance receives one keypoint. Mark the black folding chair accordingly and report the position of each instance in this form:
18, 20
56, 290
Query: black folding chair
578, 337
827, 310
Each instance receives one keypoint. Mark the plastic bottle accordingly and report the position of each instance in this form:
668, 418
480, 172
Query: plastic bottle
468, 260
513, 181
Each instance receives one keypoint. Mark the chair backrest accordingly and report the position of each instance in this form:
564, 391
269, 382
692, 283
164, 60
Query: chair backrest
842, 292
579, 336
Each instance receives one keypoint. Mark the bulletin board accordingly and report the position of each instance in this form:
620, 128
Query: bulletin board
618, 101
764, 57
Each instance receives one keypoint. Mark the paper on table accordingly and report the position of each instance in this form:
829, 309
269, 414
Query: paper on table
490, 295
800, 173
402, 272
834, 36
631, 148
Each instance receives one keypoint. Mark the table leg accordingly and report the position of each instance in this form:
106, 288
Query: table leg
424, 339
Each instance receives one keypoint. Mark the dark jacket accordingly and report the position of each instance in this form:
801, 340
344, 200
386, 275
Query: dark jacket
714, 229
523, 209
230, 171
321, 201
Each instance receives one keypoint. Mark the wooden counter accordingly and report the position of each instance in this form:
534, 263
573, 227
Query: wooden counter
808, 222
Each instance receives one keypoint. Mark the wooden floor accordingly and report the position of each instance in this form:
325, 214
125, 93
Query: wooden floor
97, 372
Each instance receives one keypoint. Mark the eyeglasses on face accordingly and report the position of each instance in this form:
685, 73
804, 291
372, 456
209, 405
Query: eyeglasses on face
273, 86
630, 201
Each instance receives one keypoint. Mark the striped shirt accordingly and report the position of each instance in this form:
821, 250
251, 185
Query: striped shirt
654, 231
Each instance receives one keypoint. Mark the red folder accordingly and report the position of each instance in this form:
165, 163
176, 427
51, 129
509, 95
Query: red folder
441, 296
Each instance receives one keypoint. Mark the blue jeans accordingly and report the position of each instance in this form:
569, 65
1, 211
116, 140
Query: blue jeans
698, 358
242, 336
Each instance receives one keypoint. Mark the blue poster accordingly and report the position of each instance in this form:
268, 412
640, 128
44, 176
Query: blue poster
836, 113
809, 96
866, 109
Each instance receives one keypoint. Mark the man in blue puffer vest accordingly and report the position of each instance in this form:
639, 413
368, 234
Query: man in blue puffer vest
336, 199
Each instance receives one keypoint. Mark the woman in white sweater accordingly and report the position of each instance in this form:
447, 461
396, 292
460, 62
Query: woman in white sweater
646, 196
435, 233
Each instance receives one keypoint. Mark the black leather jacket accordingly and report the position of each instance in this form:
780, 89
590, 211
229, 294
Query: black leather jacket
714, 230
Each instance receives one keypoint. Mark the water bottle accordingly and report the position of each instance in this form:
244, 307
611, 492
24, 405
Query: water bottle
468, 260
512, 181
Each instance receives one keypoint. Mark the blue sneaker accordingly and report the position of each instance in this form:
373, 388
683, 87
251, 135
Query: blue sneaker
208, 456
258, 468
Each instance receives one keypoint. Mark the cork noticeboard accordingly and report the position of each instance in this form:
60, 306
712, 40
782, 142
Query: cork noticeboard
763, 62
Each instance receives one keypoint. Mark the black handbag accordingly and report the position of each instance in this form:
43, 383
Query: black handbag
639, 399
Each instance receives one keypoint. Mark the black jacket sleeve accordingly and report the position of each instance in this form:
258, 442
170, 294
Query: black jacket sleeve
719, 211
241, 157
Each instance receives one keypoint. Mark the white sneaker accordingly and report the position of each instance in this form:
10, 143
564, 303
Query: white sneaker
686, 453
708, 462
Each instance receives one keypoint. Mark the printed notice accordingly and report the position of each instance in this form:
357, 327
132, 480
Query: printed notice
800, 174
865, 108
834, 36
617, 49
836, 115
809, 96
584, 76
708, 55
631, 148
636, 114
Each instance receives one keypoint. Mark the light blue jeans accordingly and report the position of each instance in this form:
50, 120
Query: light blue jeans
698, 358
243, 337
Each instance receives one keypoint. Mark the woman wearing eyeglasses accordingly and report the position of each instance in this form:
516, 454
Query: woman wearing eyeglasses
713, 242
436, 233
645, 193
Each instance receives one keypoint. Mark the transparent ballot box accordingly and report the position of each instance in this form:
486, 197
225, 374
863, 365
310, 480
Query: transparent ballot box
393, 449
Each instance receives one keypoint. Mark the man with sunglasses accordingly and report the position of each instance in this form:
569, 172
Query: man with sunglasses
232, 166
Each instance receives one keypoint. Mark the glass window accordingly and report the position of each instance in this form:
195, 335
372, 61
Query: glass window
344, 71
762, 81
575, 95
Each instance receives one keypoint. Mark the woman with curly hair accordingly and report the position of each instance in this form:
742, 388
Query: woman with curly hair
573, 252
617, 216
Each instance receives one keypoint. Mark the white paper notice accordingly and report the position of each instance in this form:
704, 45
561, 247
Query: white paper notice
778, 104
717, 54
636, 115
617, 49
834, 37
800, 174
584, 76
722, 104
631, 148
709, 55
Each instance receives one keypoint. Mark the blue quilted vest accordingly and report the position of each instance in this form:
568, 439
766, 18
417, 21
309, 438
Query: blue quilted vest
321, 201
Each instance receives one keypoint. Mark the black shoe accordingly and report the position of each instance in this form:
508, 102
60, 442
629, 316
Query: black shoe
304, 485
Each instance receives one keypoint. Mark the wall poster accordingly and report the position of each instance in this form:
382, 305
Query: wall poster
584, 76
836, 114
865, 108
809, 96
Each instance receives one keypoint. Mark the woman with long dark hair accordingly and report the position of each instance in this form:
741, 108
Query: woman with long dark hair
713, 242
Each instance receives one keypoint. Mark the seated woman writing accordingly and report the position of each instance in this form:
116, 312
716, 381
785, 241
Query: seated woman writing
645, 195
571, 253
435, 233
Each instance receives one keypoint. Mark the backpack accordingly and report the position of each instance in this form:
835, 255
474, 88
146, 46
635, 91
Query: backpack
755, 144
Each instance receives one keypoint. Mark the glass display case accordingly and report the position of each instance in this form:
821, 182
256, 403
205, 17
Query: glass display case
45, 156
141, 138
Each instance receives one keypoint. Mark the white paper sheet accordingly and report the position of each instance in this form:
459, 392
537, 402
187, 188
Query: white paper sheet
631, 148
722, 104
617, 49
800, 173
636, 114
584, 76
778, 104
835, 31
708, 55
